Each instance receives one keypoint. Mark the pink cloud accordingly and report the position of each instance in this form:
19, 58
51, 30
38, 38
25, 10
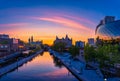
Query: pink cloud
81, 19
54, 73
65, 22
58, 13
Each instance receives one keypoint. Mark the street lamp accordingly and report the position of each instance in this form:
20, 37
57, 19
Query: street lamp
105, 79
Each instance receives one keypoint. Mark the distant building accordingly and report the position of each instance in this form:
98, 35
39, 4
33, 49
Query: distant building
107, 19
65, 40
34, 44
91, 41
108, 28
22, 45
5, 43
8, 45
4, 36
80, 44
30, 40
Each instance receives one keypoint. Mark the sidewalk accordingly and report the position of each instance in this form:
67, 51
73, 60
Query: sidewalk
78, 69
8, 57
10, 67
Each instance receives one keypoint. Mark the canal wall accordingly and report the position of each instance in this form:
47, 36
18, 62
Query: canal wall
10, 67
9, 57
67, 65
80, 75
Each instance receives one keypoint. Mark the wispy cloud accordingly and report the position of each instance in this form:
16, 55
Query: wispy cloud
64, 21
80, 19
13, 24
64, 14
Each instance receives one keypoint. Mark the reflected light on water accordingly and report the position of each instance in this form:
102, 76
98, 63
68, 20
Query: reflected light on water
40, 68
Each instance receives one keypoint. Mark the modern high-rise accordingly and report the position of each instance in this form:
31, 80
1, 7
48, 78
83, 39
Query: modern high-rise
108, 28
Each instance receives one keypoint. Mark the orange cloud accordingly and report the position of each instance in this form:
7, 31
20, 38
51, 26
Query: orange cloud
65, 22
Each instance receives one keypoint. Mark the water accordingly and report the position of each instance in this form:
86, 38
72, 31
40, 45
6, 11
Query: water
41, 68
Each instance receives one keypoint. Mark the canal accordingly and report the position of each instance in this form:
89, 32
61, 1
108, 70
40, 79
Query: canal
43, 67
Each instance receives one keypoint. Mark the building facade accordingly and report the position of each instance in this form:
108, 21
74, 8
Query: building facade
33, 44
91, 41
108, 28
81, 45
8, 45
5, 43
65, 40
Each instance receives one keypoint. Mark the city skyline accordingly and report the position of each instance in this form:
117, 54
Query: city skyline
59, 40
46, 19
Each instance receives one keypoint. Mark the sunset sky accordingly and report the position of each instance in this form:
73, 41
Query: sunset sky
44, 19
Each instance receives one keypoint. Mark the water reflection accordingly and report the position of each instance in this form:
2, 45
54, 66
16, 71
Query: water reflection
57, 62
40, 68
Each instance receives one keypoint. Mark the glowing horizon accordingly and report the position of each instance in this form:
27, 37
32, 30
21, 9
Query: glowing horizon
46, 19
46, 28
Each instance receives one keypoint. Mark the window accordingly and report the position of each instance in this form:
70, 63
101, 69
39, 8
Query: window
2, 46
6, 46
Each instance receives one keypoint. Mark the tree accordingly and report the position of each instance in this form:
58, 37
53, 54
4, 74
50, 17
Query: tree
102, 55
74, 51
4, 42
60, 46
106, 55
57, 62
89, 52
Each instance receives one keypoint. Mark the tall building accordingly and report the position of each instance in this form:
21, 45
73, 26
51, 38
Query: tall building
80, 44
65, 40
108, 28
8, 45
30, 40
108, 19
4, 36
5, 44
33, 44
91, 41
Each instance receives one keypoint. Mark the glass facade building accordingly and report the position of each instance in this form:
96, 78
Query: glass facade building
107, 30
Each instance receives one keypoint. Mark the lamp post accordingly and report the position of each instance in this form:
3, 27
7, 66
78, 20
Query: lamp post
105, 79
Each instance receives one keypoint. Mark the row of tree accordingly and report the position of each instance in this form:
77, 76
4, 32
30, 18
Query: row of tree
61, 47
104, 55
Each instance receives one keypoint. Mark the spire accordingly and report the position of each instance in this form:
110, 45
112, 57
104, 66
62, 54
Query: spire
66, 37
57, 37
31, 38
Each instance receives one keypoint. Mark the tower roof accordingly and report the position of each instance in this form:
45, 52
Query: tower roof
66, 36
57, 37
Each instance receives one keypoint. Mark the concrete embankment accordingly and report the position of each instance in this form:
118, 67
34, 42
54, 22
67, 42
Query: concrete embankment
10, 67
71, 69
9, 57
77, 69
